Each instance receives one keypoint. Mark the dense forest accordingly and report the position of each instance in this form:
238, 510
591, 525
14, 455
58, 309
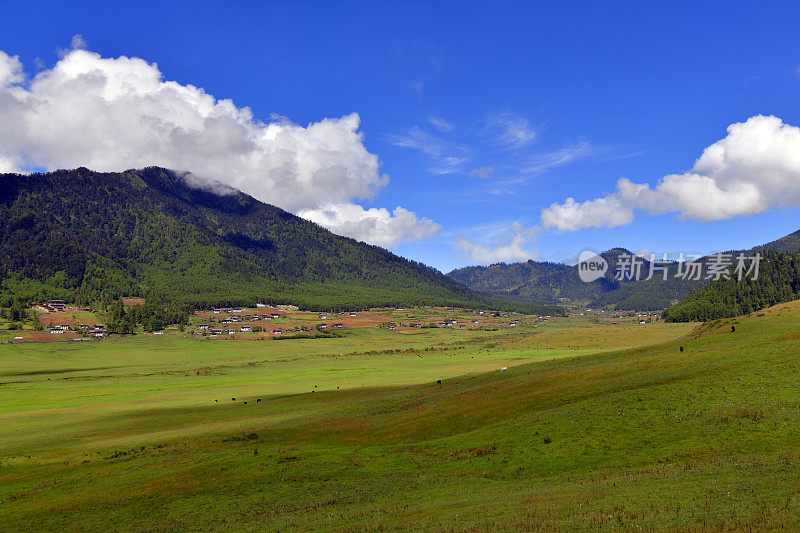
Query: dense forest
778, 281
86, 236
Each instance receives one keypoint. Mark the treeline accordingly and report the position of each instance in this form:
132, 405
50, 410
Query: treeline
152, 316
778, 281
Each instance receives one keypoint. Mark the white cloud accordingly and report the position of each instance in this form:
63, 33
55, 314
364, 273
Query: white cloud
482, 172
510, 131
440, 124
503, 249
563, 156
754, 168
444, 157
78, 42
10, 70
378, 226
115, 114
607, 211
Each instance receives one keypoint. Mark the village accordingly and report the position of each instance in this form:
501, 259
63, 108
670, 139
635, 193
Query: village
57, 320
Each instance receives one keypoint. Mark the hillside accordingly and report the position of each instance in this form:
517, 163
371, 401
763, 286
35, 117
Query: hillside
778, 281
83, 235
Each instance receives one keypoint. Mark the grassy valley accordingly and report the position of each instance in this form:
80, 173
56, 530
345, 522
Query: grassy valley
593, 425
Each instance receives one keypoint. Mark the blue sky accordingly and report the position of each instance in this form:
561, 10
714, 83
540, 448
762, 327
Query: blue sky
484, 114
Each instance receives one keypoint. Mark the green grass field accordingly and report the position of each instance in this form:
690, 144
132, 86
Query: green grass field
592, 426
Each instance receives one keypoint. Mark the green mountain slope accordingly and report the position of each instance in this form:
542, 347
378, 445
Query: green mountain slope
87, 235
778, 281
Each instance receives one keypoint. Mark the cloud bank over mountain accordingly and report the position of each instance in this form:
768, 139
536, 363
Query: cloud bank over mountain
112, 114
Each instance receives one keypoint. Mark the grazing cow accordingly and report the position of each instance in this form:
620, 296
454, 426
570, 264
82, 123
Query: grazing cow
733, 328
504, 369
681, 349
258, 400
215, 401
233, 399
245, 403
439, 381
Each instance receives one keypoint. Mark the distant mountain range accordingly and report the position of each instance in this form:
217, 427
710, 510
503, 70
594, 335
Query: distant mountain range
84, 235
557, 282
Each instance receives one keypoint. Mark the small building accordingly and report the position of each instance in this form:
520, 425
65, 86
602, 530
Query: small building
247, 328
56, 305
202, 327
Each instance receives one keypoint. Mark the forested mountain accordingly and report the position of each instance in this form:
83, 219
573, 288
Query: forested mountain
555, 281
778, 281
86, 235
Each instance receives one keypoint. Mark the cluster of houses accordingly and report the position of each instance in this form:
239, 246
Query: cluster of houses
95, 330
206, 329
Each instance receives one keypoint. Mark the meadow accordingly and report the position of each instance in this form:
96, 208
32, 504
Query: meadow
593, 425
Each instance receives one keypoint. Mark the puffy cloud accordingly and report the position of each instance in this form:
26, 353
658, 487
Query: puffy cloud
502, 250
375, 225
608, 211
754, 168
10, 70
114, 114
